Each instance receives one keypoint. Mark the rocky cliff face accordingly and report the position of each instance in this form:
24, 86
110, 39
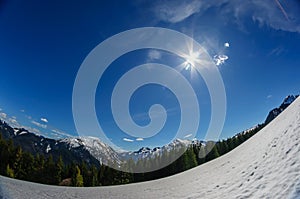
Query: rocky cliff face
276, 111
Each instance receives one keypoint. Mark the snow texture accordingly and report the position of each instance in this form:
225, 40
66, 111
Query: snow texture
265, 166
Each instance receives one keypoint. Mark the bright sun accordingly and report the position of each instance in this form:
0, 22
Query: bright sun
190, 60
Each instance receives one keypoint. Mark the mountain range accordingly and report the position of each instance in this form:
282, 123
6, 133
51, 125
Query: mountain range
92, 150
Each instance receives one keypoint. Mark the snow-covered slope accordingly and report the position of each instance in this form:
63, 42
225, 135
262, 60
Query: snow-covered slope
265, 166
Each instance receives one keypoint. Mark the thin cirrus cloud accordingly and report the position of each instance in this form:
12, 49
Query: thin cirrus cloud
127, 140
274, 14
59, 133
44, 126
3, 115
277, 51
187, 136
176, 11
13, 121
139, 139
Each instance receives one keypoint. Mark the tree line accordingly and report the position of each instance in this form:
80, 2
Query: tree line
19, 164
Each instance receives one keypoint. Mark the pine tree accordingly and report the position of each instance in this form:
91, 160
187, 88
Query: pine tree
230, 144
59, 168
79, 178
85, 174
17, 166
9, 172
211, 151
27, 166
223, 147
94, 173
192, 162
201, 155
49, 171
4, 155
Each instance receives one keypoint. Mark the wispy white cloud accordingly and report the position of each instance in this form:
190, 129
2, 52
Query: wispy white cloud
22, 110
60, 133
44, 126
279, 16
269, 96
3, 115
226, 45
31, 129
154, 54
44, 120
155, 114
139, 139
176, 11
188, 135
277, 51
13, 121
127, 140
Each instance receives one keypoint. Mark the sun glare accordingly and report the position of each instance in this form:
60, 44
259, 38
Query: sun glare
191, 59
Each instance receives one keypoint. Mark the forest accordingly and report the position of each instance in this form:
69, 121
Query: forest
19, 164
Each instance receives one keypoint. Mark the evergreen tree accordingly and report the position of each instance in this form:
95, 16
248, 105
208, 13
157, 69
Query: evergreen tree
230, 144
4, 155
27, 166
17, 166
201, 155
85, 174
78, 178
223, 147
212, 154
9, 172
59, 169
49, 171
94, 174
192, 161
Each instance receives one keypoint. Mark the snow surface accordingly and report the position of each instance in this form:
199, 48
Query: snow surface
265, 166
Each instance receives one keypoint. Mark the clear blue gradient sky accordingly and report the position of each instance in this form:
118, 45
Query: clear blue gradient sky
43, 43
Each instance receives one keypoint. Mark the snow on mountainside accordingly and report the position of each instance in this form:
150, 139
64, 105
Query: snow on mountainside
265, 166
93, 150
146, 152
101, 151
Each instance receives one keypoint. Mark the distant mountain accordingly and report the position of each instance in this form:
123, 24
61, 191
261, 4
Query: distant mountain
93, 151
99, 150
77, 149
146, 152
37, 144
276, 111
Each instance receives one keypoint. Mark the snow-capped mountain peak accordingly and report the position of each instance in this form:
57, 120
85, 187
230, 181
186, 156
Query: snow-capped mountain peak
101, 151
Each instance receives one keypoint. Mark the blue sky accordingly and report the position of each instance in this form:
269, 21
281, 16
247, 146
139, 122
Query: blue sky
43, 43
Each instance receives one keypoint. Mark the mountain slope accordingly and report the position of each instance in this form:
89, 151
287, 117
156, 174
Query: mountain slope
276, 111
37, 144
265, 166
